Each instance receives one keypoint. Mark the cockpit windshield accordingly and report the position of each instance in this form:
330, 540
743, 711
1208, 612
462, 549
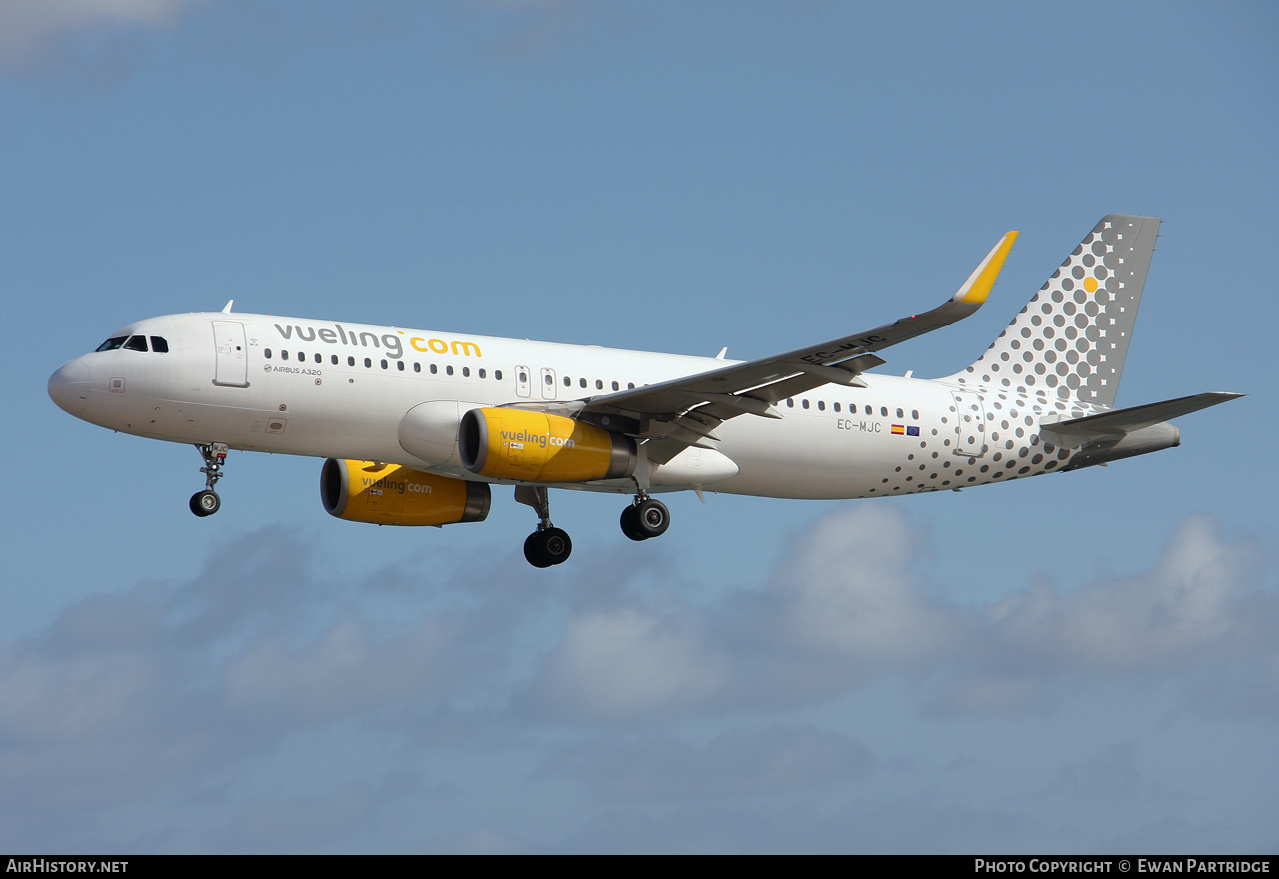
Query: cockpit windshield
159, 344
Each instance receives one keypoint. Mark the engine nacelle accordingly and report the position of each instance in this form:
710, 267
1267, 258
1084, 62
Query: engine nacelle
428, 432
389, 494
534, 446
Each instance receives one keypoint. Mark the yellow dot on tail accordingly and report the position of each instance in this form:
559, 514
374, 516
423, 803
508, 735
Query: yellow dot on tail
1090, 284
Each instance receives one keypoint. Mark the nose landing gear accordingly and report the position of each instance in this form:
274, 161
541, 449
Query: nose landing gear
206, 503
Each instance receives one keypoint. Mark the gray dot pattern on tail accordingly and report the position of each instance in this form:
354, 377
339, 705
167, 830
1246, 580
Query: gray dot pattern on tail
1070, 340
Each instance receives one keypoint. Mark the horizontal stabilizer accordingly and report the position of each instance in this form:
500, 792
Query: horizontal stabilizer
1122, 421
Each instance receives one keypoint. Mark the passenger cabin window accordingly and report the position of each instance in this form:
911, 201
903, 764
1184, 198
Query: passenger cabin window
112, 343
159, 345
136, 343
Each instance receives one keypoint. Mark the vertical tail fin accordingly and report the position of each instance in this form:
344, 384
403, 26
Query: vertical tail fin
1070, 341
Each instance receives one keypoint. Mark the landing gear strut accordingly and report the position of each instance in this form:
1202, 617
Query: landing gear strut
645, 518
547, 545
206, 503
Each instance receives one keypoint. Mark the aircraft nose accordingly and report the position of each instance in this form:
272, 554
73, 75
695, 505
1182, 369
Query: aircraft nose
69, 387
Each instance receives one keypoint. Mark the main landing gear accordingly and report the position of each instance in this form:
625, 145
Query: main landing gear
547, 545
206, 503
645, 518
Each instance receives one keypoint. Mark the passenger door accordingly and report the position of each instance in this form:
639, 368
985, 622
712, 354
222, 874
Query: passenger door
232, 364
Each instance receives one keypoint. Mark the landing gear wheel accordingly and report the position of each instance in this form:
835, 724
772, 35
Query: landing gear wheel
533, 551
550, 546
648, 518
630, 523
653, 517
205, 503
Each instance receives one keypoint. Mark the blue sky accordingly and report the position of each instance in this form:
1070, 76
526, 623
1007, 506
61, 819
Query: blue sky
1085, 662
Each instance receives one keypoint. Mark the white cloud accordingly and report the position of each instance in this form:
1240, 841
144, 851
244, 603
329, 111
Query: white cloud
127, 693
851, 587
629, 662
1192, 600
736, 763
540, 28
314, 822
343, 670
848, 605
128, 697
28, 26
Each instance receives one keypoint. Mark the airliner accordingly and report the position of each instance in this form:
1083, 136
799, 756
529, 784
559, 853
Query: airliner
417, 426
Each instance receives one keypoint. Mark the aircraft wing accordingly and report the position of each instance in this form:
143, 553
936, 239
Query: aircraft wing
684, 412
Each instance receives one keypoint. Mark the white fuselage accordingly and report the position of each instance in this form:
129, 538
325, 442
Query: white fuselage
338, 390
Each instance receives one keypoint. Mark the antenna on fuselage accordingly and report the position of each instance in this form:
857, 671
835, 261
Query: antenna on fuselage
227, 308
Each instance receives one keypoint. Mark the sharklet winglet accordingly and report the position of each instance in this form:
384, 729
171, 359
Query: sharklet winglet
978, 286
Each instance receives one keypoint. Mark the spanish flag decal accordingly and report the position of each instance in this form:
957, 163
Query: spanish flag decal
899, 429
